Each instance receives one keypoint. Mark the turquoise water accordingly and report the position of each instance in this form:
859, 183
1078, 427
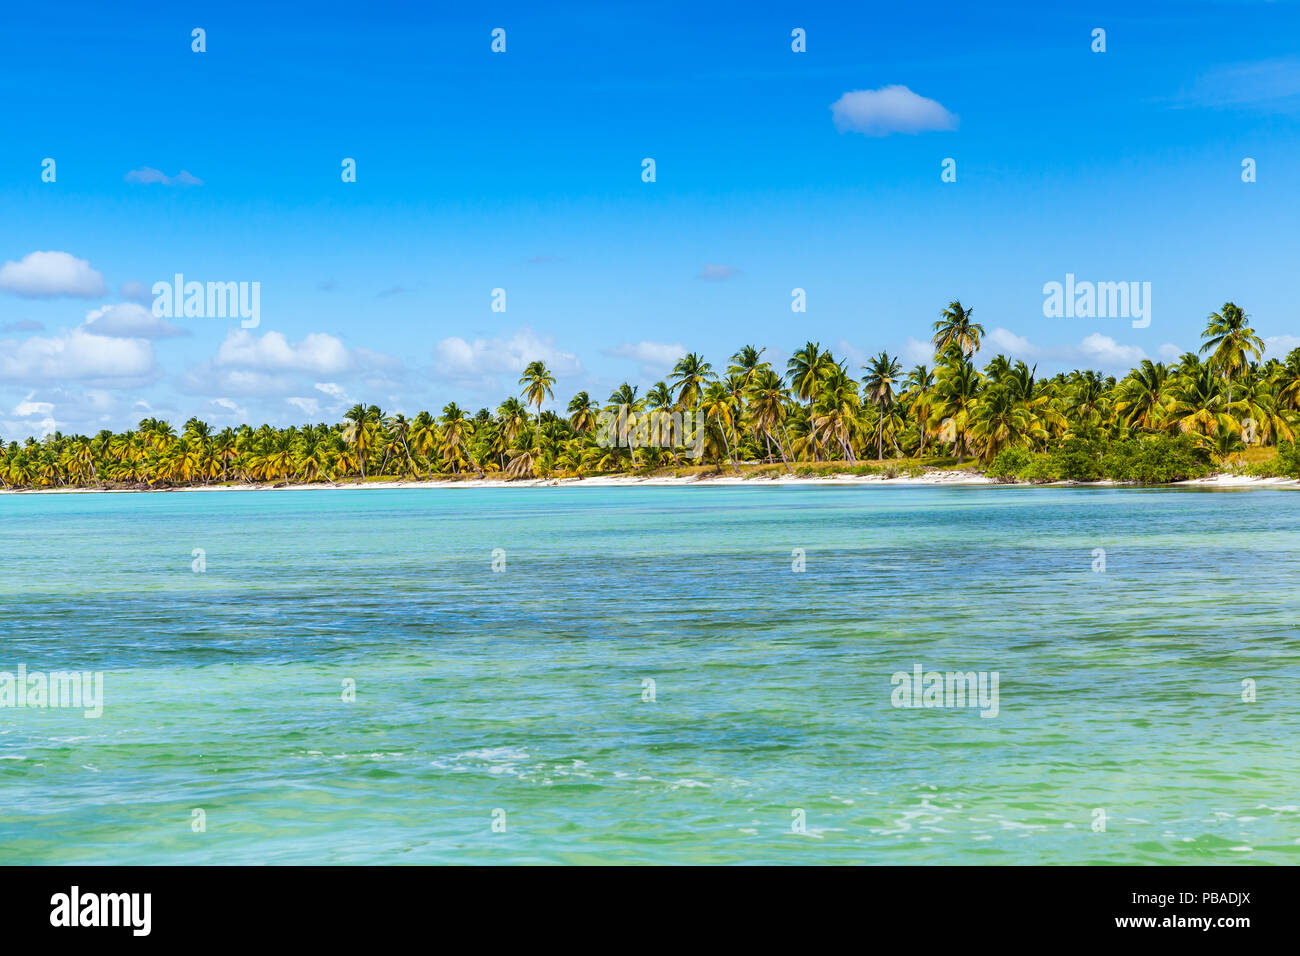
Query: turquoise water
521, 691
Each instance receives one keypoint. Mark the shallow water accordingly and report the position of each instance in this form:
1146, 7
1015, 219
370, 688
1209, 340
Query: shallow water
522, 690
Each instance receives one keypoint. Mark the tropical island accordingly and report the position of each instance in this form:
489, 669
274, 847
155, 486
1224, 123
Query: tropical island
1219, 410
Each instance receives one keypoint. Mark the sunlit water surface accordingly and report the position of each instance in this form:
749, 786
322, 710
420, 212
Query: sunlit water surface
1120, 691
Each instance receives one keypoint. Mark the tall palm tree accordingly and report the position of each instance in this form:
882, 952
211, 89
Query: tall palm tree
808, 369
537, 381
956, 328
1231, 342
882, 376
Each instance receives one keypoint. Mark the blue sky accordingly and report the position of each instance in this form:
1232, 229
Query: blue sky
522, 171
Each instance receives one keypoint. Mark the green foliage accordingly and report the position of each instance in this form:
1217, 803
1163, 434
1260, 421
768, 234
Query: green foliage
1151, 459
1288, 459
1010, 464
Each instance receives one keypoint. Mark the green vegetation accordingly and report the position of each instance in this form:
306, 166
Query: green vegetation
1156, 424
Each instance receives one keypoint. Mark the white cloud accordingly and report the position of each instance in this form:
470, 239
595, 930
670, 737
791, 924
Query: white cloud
483, 359
76, 355
1096, 349
224, 410
1108, 353
127, 320
1169, 352
318, 353
50, 409
1277, 346
1003, 340
309, 406
47, 275
27, 408
917, 352
890, 109
147, 175
652, 355
332, 390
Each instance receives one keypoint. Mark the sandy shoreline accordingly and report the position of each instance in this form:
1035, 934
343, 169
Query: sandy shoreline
954, 478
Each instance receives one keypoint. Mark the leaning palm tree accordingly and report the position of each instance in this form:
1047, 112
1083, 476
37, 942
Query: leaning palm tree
767, 408
882, 376
537, 381
956, 328
1231, 342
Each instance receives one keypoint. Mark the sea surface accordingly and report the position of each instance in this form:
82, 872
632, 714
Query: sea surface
507, 716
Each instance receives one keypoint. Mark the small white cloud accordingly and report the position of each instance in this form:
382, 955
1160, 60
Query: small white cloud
654, 355
318, 353
27, 408
224, 409
1277, 346
917, 352
147, 175
127, 320
332, 390
1169, 352
1108, 353
717, 273
461, 360
890, 109
48, 275
1007, 342
309, 406
1096, 349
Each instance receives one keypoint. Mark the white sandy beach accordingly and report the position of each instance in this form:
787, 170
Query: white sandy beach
954, 478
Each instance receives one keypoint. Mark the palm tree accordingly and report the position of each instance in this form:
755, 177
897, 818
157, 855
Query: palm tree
689, 377
918, 392
718, 406
456, 432
1001, 420
583, 412
361, 431
1231, 342
1143, 395
807, 370
767, 406
537, 381
956, 328
956, 391
882, 376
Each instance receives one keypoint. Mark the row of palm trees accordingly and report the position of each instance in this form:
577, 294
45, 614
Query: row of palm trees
813, 411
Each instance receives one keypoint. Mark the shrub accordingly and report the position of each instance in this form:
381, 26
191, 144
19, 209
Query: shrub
1010, 464
1287, 461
